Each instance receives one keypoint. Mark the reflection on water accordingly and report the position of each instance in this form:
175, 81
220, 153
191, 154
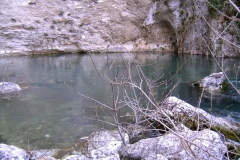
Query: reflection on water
49, 112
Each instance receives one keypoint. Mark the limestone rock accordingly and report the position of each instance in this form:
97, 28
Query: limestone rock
76, 157
11, 152
182, 112
101, 145
212, 83
52, 26
46, 158
8, 87
185, 145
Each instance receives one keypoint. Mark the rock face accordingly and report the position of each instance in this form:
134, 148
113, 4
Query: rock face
212, 83
69, 25
11, 152
187, 145
109, 26
8, 87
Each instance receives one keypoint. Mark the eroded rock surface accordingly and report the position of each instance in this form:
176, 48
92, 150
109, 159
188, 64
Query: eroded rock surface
8, 87
182, 112
52, 26
11, 152
184, 144
101, 145
212, 83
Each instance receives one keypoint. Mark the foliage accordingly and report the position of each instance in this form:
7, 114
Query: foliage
219, 4
46, 34
32, 3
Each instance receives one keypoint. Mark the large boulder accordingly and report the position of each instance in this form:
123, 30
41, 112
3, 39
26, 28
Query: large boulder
101, 145
9, 87
8, 152
183, 144
182, 112
212, 83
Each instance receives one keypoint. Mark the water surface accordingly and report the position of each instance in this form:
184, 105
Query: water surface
48, 113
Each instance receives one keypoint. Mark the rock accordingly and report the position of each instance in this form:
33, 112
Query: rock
82, 26
101, 145
212, 83
183, 144
8, 87
76, 157
11, 152
182, 112
46, 158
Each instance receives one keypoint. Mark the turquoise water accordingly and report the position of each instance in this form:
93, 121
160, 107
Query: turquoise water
48, 113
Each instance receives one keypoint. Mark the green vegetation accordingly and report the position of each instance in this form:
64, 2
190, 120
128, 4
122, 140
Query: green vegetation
13, 20
80, 25
32, 3
54, 22
61, 13
181, 12
219, 4
46, 34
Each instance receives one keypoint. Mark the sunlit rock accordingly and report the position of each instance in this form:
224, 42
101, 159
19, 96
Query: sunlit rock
8, 152
46, 158
213, 83
182, 112
8, 87
76, 157
184, 144
101, 145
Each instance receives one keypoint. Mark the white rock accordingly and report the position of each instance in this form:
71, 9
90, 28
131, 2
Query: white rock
8, 152
8, 87
102, 145
179, 109
76, 157
213, 82
204, 145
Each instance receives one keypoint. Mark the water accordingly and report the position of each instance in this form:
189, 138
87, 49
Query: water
47, 113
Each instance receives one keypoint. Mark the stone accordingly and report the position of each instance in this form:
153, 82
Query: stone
46, 27
11, 152
8, 87
183, 144
182, 112
46, 158
76, 157
101, 145
212, 83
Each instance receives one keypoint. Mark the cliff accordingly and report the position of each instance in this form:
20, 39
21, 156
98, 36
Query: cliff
52, 26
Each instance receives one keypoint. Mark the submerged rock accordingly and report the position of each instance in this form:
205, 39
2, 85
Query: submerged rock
183, 144
8, 152
213, 83
9, 87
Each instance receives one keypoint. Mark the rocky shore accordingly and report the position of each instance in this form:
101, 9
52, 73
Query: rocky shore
209, 141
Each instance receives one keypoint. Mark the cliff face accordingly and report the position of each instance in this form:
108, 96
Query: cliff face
70, 25
48, 26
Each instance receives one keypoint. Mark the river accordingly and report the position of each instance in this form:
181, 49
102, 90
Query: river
48, 113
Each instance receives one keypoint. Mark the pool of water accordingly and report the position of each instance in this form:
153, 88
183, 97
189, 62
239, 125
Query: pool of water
48, 113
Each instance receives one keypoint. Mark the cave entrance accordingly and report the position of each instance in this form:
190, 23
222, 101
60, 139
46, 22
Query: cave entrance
164, 35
